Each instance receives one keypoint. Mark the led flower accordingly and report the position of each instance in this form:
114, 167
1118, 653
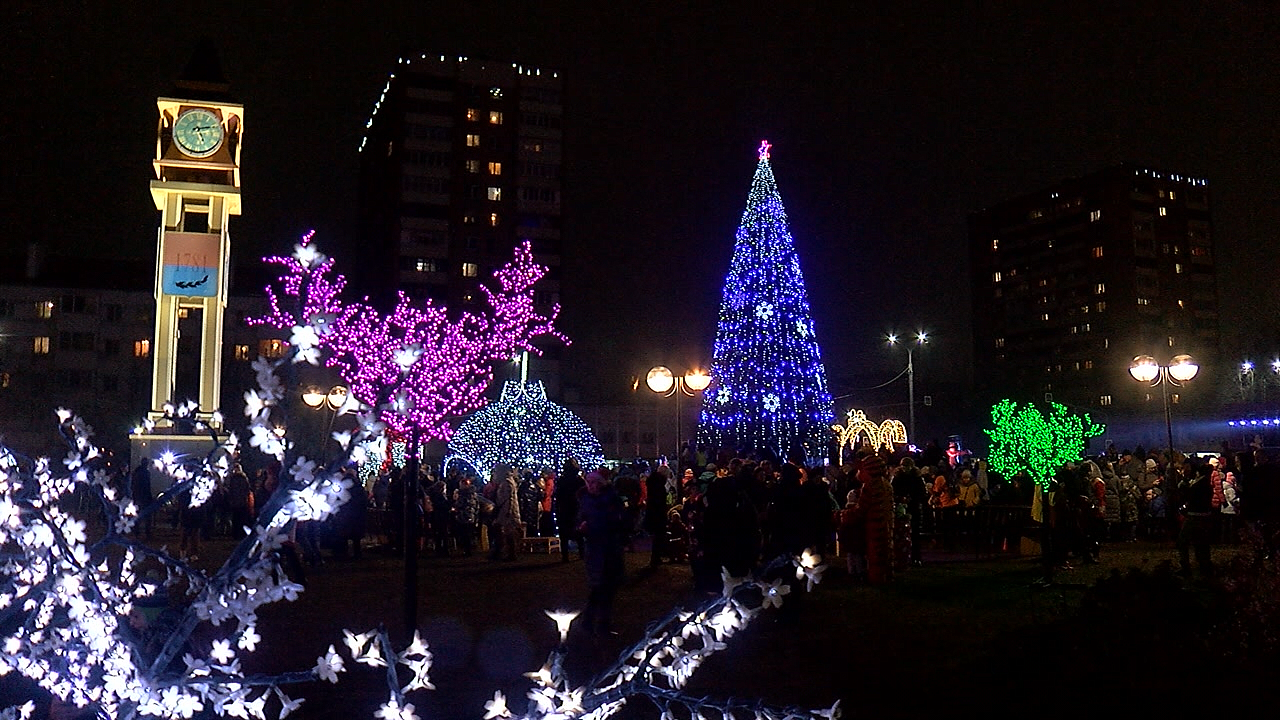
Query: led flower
773, 594
391, 710
563, 619
497, 707
303, 470
253, 403
287, 704
831, 713
730, 582
329, 665
249, 639
222, 651
355, 643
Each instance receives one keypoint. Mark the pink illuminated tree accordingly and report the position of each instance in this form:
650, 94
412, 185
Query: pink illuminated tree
416, 365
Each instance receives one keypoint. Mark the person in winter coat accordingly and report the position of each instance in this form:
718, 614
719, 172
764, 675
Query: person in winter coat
466, 514
1197, 524
507, 528
909, 491
1111, 495
853, 536
565, 502
602, 525
1230, 509
657, 502
1128, 499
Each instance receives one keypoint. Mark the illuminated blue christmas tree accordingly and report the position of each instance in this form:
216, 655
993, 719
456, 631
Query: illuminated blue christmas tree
769, 387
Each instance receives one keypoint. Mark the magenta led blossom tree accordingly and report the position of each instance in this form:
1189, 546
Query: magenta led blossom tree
415, 365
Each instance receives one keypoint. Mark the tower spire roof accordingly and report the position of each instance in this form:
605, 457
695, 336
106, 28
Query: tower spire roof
202, 78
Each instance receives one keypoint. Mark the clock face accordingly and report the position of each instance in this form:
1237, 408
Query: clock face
198, 132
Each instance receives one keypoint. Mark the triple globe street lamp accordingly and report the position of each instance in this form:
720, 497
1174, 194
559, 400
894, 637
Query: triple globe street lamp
1181, 369
662, 381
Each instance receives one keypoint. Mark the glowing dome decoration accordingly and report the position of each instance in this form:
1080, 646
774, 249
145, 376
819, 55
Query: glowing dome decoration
770, 387
523, 429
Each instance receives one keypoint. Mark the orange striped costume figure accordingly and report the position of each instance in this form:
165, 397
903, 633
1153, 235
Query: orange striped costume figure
877, 501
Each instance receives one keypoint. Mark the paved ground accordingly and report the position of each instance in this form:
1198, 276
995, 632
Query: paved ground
930, 642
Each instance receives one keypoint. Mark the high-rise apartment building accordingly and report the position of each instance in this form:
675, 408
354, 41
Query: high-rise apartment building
460, 162
1072, 282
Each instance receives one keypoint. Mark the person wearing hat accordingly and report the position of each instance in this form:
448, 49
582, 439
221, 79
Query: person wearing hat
878, 505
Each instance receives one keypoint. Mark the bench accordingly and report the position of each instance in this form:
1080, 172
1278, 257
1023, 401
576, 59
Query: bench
540, 545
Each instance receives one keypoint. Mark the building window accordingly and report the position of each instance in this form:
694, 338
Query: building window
75, 341
470, 270
1177, 268
995, 245
1182, 304
1095, 215
468, 219
1097, 251
1105, 400
1100, 289
4, 380
468, 298
113, 312
1163, 211
1088, 364
424, 265
495, 117
142, 348
1102, 305
242, 352
473, 166
1170, 341
495, 193
1037, 214
473, 140
41, 345
997, 277
44, 309
1000, 342
73, 304
1144, 301
473, 114
1044, 317
493, 219
495, 168
1086, 327
272, 349
1173, 195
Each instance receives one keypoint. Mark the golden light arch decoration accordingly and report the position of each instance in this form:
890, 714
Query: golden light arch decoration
858, 428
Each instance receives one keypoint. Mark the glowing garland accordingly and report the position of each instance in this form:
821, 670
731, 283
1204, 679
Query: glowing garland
523, 429
769, 390
1025, 439
857, 426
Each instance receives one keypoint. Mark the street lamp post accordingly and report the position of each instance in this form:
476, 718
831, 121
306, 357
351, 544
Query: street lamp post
661, 380
332, 399
1181, 369
921, 338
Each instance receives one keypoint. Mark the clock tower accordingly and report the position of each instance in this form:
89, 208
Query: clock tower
197, 190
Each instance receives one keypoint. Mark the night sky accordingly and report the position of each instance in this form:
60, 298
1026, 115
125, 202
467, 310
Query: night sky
889, 126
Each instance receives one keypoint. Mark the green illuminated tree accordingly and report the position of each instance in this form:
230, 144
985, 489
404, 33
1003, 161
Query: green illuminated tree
1026, 439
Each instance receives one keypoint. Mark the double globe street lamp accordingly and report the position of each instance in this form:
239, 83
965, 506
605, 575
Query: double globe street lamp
921, 339
1180, 369
661, 380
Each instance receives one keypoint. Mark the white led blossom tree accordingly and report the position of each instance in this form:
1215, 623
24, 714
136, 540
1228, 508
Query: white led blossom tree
70, 586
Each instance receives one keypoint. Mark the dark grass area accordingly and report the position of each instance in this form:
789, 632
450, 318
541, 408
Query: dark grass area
959, 636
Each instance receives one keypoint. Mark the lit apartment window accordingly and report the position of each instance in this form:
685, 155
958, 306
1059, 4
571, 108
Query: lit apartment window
1170, 341
996, 277
495, 193
41, 345
142, 348
1075, 329
242, 352
495, 117
1088, 364
1105, 400
1100, 289
995, 244
1037, 214
1144, 301
272, 349
424, 265
495, 168
1102, 306
44, 309
468, 219
1182, 304
1044, 282
473, 140
1086, 327
470, 270
1044, 317
999, 342
473, 166
1095, 215
473, 114
1173, 195
1097, 251
1163, 211
1177, 268
493, 219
